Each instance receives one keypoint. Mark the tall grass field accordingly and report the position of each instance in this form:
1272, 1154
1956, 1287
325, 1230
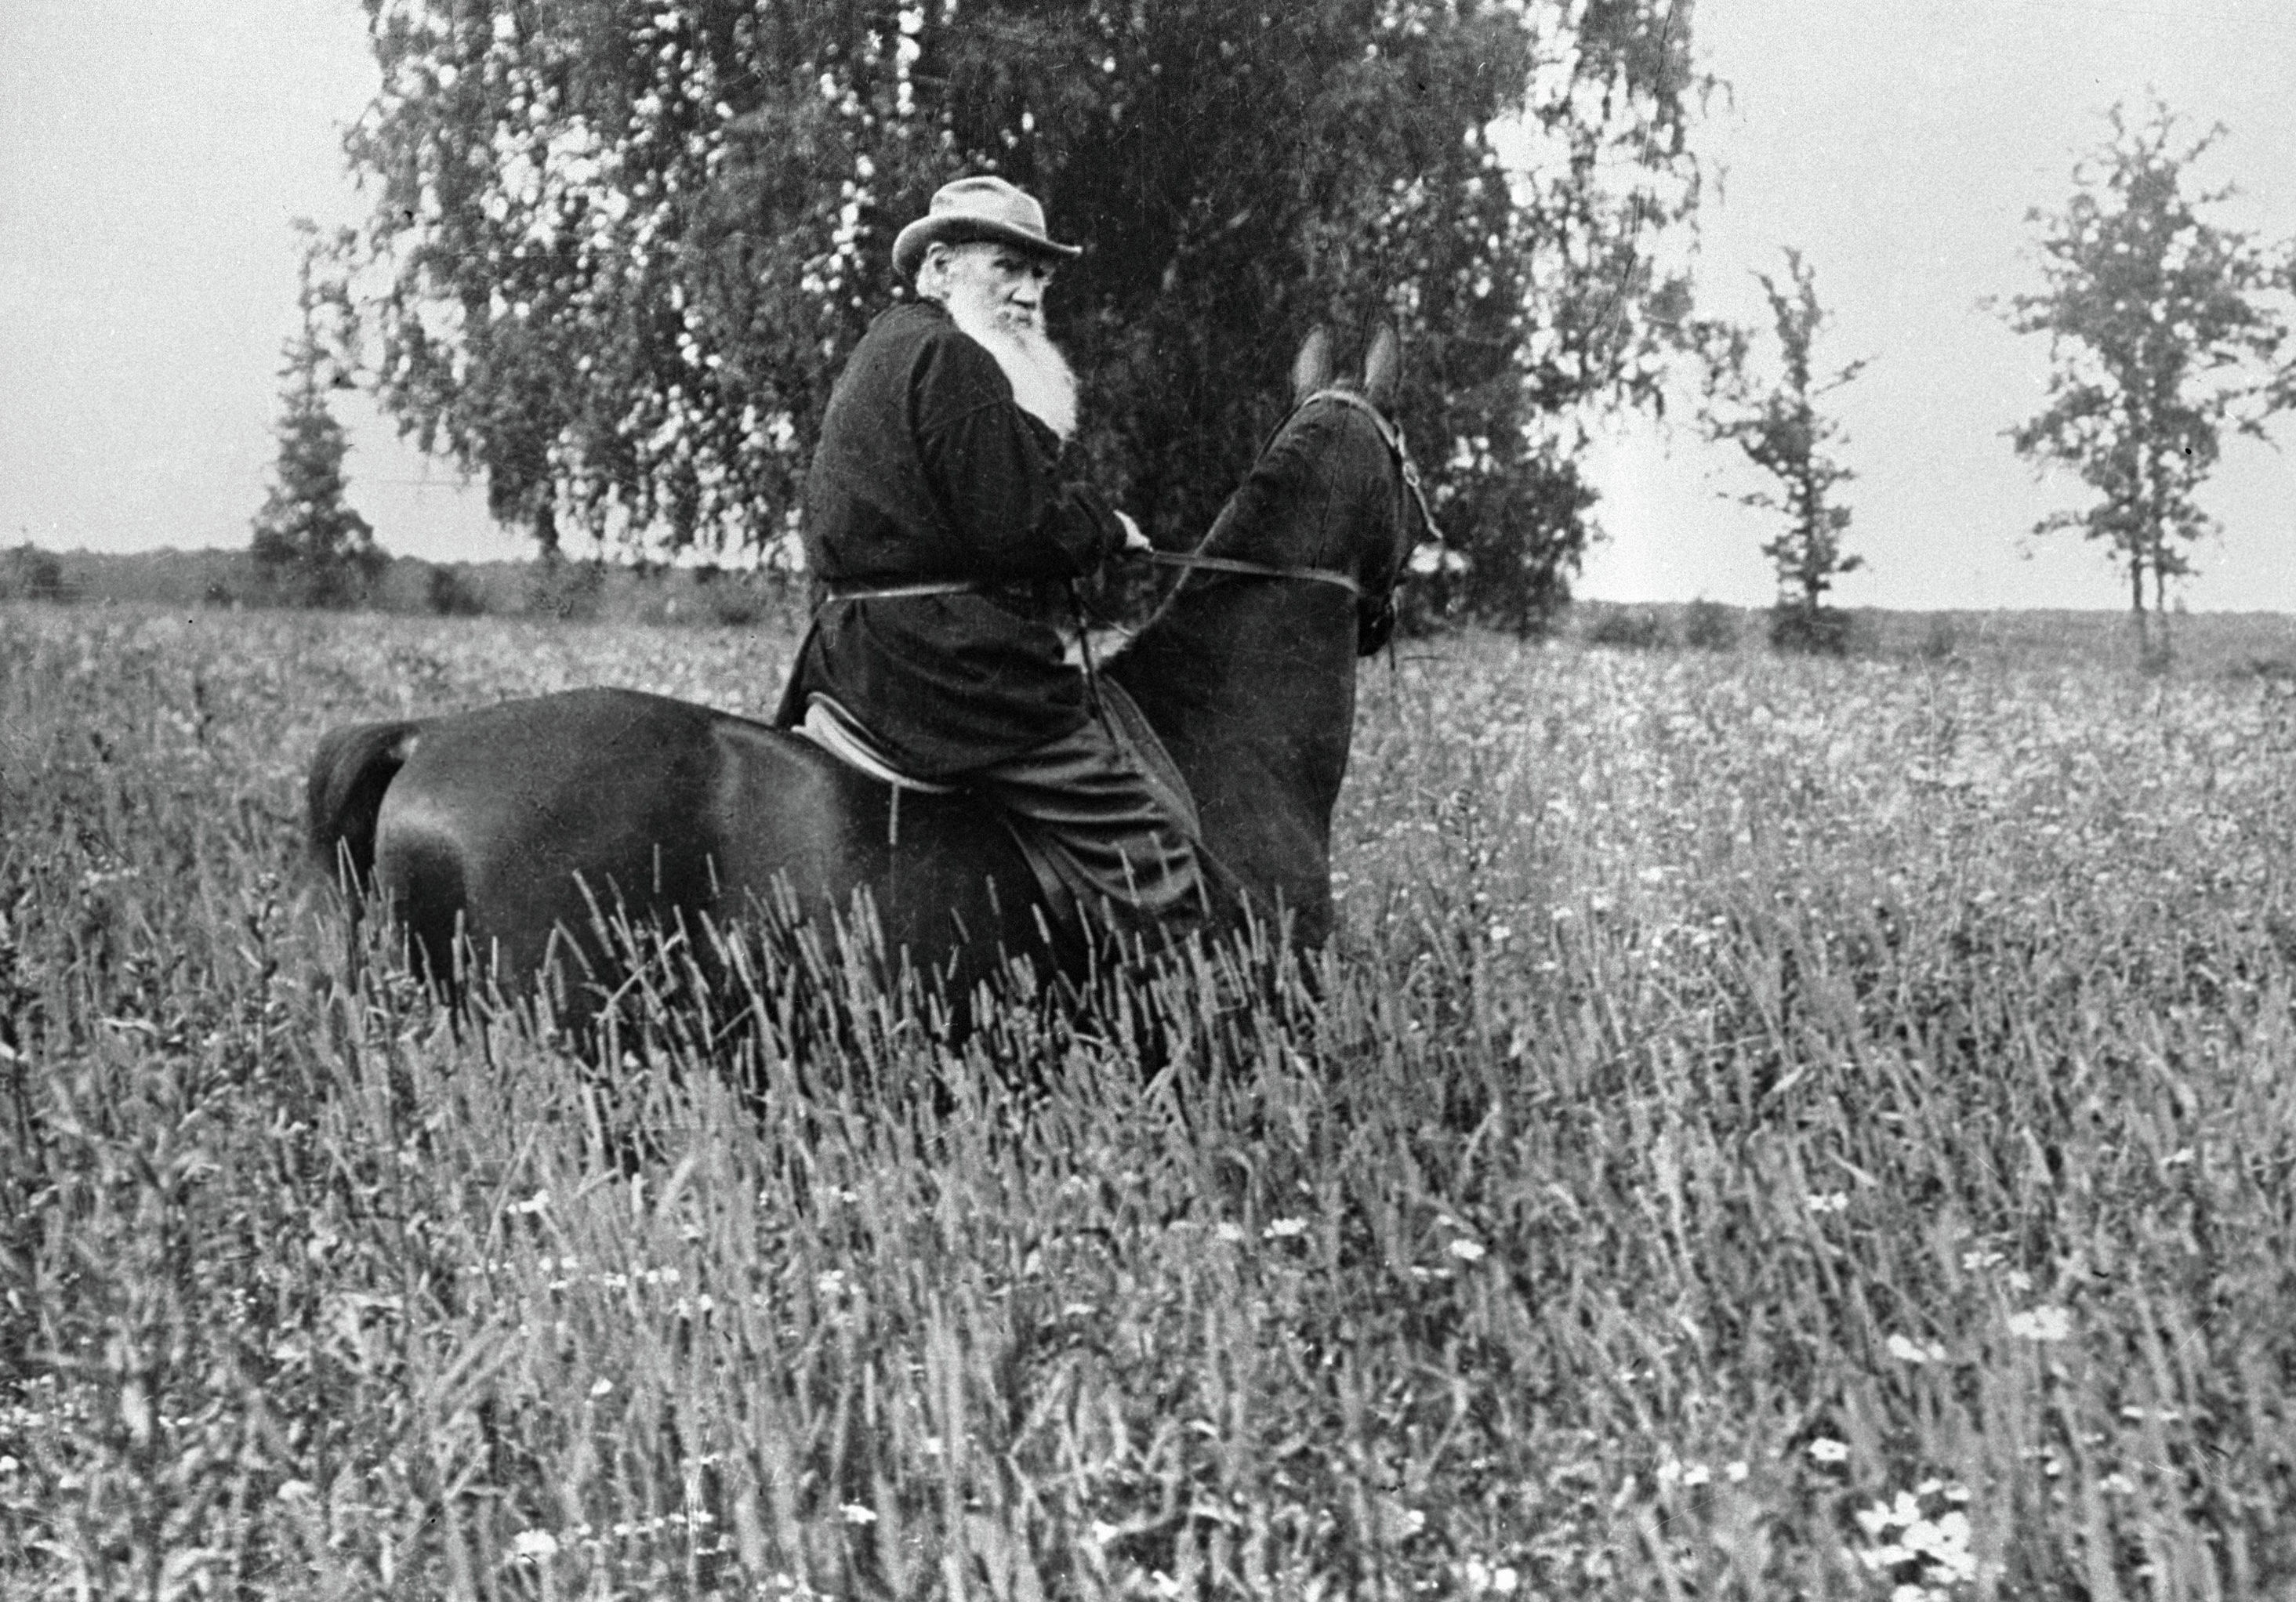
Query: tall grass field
1766, 1128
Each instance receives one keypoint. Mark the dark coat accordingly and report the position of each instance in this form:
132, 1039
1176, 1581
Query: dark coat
928, 469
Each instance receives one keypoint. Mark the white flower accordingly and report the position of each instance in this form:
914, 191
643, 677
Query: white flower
1736, 1472
1483, 1579
1467, 1250
1831, 1201
601, 1387
2042, 1324
1944, 1542
1231, 1232
1907, 1350
858, 1513
1285, 1229
531, 1546
1825, 1449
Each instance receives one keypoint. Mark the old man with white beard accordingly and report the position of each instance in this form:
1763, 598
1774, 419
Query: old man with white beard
946, 539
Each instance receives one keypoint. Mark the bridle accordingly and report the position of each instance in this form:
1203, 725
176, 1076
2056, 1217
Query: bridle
1374, 613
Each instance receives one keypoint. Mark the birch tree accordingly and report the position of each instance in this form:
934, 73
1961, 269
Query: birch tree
625, 247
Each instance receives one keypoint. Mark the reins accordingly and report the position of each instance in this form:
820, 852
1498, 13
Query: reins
1389, 436
1228, 564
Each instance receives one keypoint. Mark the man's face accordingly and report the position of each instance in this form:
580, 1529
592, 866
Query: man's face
1000, 285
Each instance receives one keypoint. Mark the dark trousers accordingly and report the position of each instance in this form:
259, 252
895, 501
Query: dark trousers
1119, 833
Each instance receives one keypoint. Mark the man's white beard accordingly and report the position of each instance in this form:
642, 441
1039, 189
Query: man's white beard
1042, 381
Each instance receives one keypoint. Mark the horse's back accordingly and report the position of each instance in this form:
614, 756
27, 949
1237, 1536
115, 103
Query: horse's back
518, 823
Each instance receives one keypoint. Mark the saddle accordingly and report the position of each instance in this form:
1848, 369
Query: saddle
831, 726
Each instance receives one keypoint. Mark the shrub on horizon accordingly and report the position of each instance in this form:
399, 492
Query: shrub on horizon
451, 593
566, 590
1811, 631
28, 573
1709, 625
1629, 628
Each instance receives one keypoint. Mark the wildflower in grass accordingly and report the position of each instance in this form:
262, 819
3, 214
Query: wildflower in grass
537, 1203
2041, 1324
1829, 1201
1673, 1471
1229, 1231
1489, 1580
1828, 1451
601, 1387
858, 1513
1736, 1472
1467, 1250
1924, 1550
1285, 1229
1908, 1350
532, 1546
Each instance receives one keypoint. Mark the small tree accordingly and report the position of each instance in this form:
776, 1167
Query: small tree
2157, 338
309, 546
1778, 424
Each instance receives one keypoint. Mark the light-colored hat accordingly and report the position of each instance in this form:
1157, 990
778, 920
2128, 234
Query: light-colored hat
978, 209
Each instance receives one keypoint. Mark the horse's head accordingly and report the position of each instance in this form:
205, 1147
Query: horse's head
1340, 433
1247, 671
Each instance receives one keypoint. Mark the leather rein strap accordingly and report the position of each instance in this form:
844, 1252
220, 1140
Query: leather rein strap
931, 586
1228, 564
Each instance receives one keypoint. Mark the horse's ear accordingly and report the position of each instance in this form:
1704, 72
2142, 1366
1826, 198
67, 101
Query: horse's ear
1311, 369
1384, 368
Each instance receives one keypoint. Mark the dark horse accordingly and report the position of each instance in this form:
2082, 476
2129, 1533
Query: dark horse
528, 828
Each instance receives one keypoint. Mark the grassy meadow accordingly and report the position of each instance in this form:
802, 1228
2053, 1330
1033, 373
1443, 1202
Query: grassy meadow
1767, 1128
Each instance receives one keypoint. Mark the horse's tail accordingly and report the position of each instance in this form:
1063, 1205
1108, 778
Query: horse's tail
343, 795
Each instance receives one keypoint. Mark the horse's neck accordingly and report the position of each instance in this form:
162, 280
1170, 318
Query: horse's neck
1251, 686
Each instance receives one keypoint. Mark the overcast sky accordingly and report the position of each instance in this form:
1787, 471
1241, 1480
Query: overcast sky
151, 158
